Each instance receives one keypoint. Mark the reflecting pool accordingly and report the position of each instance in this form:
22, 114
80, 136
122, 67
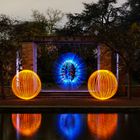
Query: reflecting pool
92, 126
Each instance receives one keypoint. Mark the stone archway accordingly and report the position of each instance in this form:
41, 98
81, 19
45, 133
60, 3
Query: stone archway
105, 57
29, 51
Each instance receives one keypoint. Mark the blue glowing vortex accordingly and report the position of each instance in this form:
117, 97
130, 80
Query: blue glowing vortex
70, 125
69, 71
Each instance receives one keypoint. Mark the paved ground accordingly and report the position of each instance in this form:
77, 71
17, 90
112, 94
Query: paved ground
70, 104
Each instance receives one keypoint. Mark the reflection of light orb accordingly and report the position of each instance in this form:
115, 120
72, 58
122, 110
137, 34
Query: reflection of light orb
26, 84
26, 124
102, 84
69, 71
102, 125
70, 125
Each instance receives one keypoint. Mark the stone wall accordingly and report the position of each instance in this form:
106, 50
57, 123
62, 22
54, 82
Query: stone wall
104, 57
29, 56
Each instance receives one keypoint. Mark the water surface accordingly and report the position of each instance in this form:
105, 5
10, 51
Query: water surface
92, 126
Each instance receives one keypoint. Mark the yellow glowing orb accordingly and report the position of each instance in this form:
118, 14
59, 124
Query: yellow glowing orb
102, 84
102, 125
26, 84
26, 124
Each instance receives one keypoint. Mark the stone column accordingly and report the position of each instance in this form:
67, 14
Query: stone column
29, 56
104, 59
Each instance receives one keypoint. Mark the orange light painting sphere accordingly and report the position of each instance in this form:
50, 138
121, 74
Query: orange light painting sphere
26, 84
26, 124
102, 126
102, 84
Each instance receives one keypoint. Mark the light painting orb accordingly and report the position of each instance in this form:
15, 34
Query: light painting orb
69, 71
26, 84
103, 126
26, 124
102, 84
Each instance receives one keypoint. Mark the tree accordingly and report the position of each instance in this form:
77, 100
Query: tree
50, 19
40, 25
134, 15
8, 48
125, 42
28, 30
95, 16
109, 25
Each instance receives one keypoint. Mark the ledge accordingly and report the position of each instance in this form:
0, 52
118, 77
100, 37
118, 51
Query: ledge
69, 105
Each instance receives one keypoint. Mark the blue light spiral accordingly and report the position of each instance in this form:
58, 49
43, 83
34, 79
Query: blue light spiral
69, 71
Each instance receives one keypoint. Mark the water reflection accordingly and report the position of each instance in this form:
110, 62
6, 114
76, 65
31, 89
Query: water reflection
70, 125
49, 126
26, 124
103, 126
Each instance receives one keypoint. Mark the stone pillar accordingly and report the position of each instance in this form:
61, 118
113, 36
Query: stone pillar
104, 59
29, 56
109, 60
